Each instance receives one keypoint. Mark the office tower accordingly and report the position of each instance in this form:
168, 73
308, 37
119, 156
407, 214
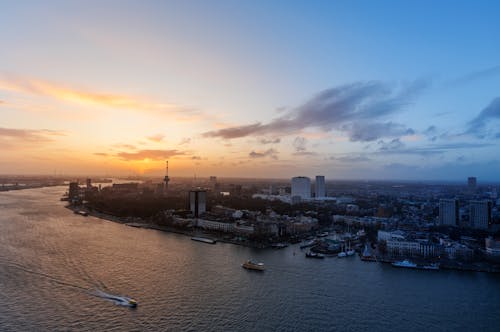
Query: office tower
472, 182
197, 202
448, 212
301, 187
319, 186
480, 214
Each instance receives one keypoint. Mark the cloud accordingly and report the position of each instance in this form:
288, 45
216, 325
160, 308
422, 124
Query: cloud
156, 138
432, 149
88, 97
10, 135
125, 146
304, 153
393, 145
101, 154
196, 158
186, 140
477, 75
299, 143
269, 141
149, 154
350, 159
268, 153
477, 126
359, 110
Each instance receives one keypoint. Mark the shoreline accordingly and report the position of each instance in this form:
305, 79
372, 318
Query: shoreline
135, 222
188, 232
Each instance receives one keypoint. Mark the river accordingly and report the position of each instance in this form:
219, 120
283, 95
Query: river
55, 265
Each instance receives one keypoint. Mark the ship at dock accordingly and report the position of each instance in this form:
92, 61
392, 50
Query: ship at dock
410, 265
203, 239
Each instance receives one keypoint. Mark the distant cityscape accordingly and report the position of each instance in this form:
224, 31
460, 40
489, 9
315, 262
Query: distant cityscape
448, 225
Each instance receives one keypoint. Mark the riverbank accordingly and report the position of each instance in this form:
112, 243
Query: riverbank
139, 223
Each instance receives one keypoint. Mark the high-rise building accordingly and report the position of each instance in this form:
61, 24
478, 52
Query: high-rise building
472, 182
197, 202
480, 214
74, 191
448, 212
319, 186
301, 187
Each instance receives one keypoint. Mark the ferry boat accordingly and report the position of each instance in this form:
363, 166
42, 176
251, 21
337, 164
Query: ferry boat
203, 239
249, 265
311, 254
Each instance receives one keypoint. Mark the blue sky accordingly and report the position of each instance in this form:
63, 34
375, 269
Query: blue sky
348, 89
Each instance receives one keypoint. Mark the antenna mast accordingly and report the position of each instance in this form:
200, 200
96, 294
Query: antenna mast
166, 179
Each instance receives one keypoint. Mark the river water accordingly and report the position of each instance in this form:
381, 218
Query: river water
55, 266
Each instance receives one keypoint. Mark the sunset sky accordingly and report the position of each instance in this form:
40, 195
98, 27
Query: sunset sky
346, 89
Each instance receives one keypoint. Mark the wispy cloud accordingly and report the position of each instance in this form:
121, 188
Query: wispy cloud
149, 154
350, 159
86, 96
269, 141
431, 149
477, 75
477, 126
262, 154
156, 138
359, 110
10, 136
185, 140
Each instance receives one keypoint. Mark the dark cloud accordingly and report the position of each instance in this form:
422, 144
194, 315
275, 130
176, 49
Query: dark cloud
269, 141
268, 153
156, 138
149, 154
477, 126
196, 158
393, 145
101, 154
358, 109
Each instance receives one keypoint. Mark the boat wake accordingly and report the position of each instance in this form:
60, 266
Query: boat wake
116, 299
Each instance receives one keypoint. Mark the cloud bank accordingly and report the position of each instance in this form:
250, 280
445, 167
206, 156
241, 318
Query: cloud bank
359, 110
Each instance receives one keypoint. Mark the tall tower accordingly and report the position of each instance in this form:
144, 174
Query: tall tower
319, 186
448, 212
166, 179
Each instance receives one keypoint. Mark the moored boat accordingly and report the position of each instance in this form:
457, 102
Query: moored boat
311, 254
250, 265
405, 263
307, 244
203, 239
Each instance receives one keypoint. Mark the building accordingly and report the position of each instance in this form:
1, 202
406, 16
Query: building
319, 186
492, 246
74, 191
197, 202
448, 212
301, 187
480, 214
472, 182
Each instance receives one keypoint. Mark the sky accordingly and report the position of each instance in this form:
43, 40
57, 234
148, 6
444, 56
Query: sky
272, 89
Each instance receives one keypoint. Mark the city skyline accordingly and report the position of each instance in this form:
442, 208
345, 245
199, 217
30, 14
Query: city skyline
348, 90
